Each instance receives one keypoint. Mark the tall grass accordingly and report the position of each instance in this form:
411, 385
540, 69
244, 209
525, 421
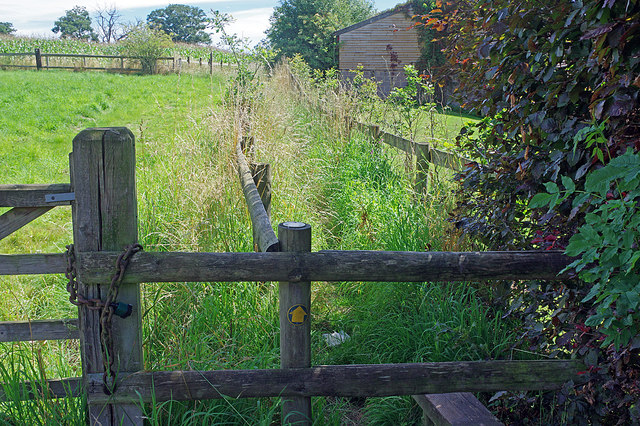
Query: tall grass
353, 192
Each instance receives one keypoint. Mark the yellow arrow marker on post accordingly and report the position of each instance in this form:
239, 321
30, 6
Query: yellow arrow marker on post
297, 314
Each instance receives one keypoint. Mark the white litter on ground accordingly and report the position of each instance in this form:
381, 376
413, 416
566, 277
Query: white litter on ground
335, 338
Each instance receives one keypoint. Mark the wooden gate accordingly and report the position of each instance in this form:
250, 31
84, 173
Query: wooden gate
102, 195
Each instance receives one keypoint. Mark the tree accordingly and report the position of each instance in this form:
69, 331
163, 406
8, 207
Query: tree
6, 28
307, 26
107, 18
181, 22
147, 43
76, 23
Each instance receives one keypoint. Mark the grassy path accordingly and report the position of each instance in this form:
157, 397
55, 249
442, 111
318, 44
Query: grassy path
353, 193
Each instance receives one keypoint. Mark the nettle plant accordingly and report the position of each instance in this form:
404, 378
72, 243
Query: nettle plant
607, 244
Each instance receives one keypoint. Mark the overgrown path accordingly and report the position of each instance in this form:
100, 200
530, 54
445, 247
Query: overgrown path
355, 194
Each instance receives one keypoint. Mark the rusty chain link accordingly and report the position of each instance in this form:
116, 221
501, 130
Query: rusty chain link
72, 285
107, 308
109, 376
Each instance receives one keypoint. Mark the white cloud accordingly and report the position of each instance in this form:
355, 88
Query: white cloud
251, 24
37, 17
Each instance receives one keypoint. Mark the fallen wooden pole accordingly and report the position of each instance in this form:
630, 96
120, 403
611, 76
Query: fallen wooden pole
377, 266
371, 380
263, 231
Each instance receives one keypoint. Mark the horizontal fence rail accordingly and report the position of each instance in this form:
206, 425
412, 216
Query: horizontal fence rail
38, 56
46, 389
377, 266
23, 331
364, 380
32, 264
432, 155
33, 195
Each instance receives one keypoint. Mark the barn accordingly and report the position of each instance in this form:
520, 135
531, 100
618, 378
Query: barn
382, 45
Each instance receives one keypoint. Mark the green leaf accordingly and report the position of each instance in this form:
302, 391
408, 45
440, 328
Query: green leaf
592, 293
552, 187
578, 243
539, 200
569, 185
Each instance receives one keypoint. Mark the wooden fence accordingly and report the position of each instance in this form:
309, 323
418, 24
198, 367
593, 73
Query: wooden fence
41, 61
102, 195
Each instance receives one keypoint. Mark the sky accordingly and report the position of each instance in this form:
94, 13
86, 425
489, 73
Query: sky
37, 17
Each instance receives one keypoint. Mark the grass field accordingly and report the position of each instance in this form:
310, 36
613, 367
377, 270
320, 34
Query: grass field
351, 191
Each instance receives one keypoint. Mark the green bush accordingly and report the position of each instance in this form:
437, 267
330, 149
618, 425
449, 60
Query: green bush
148, 44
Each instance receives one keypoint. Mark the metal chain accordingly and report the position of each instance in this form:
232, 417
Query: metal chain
106, 338
107, 307
72, 285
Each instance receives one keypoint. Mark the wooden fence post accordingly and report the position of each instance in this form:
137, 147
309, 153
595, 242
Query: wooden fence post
295, 321
105, 218
423, 157
211, 63
261, 173
38, 60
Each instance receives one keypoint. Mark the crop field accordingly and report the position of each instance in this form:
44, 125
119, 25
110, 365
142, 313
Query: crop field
354, 193
79, 47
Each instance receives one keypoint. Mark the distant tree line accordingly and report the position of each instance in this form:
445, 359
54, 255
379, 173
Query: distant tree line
181, 23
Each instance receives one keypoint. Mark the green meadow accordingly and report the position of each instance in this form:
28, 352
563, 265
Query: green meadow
354, 193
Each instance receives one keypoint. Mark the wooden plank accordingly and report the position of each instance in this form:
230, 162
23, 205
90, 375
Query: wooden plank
22, 331
398, 142
32, 195
18, 217
30, 264
340, 380
265, 237
58, 388
455, 409
429, 154
105, 218
377, 266
448, 159
295, 320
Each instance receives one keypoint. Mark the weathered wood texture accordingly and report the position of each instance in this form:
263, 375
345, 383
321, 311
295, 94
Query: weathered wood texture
105, 218
455, 409
295, 321
30, 264
60, 388
21, 331
32, 195
18, 217
261, 173
341, 380
265, 237
422, 150
327, 266
380, 43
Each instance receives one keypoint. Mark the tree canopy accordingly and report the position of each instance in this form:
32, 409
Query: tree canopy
181, 22
76, 23
7, 28
306, 27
